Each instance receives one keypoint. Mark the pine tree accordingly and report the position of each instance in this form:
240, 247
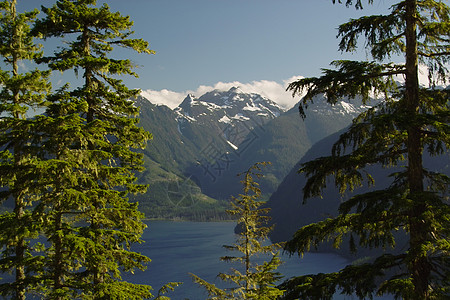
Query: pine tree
20, 156
257, 281
90, 222
409, 121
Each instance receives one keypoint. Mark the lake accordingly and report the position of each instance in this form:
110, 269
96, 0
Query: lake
180, 248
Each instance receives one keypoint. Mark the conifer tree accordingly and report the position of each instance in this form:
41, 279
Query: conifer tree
256, 281
20, 156
90, 222
410, 121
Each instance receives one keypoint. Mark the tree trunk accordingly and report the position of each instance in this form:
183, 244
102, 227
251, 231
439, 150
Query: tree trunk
98, 276
18, 201
19, 251
419, 268
58, 258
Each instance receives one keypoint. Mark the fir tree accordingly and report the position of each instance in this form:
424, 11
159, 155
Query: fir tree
90, 222
409, 121
20, 156
256, 281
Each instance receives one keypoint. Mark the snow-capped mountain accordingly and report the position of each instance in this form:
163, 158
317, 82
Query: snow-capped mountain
231, 114
206, 141
345, 107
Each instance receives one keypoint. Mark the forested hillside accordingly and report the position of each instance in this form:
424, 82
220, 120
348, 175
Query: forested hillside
289, 211
406, 211
360, 166
194, 158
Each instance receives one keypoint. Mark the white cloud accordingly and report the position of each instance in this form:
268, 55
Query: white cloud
271, 89
165, 97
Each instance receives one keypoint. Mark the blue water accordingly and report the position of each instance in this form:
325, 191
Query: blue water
180, 248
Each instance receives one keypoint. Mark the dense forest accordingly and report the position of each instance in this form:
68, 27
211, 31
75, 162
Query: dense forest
70, 173
69, 170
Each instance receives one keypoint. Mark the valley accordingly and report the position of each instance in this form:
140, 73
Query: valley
199, 147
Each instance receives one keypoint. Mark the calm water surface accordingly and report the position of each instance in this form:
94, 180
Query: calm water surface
180, 248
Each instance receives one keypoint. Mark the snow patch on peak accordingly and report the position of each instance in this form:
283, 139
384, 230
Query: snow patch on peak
237, 98
235, 89
251, 108
232, 145
190, 97
225, 119
348, 107
240, 117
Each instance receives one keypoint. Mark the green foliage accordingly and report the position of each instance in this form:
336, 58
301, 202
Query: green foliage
92, 137
166, 289
256, 281
171, 152
70, 172
410, 121
20, 155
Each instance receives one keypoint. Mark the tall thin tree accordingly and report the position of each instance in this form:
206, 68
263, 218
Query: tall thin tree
19, 147
409, 121
94, 221
254, 280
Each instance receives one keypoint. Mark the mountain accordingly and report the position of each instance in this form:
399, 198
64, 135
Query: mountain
289, 213
172, 193
231, 115
200, 146
282, 141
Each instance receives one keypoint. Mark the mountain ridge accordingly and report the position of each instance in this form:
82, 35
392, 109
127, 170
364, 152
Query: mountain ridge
194, 144
289, 211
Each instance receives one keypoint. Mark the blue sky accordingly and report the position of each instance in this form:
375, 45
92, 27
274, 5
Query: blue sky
260, 45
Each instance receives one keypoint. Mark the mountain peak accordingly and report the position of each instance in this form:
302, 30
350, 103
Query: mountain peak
227, 113
190, 97
186, 105
229, 103
235, 90
187, 102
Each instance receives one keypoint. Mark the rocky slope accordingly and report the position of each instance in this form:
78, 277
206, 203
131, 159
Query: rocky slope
203, 143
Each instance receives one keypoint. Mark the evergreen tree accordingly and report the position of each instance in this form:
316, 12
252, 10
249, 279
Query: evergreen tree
409, 121
89, 220
20, 156
257, 281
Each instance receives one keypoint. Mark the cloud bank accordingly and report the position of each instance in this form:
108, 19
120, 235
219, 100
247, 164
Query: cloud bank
271, 89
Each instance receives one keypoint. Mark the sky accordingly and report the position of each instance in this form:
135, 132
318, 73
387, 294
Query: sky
258, 45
